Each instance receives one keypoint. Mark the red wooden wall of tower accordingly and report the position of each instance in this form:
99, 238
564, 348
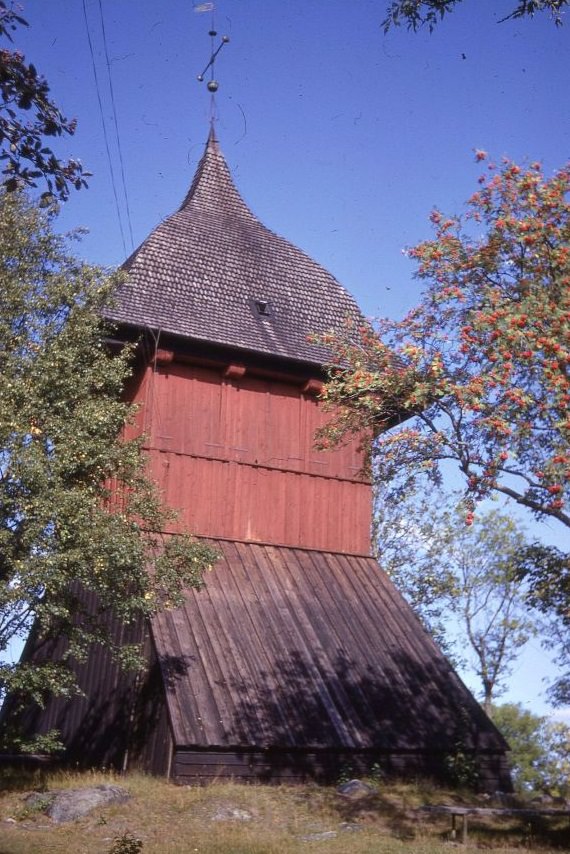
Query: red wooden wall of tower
236, 458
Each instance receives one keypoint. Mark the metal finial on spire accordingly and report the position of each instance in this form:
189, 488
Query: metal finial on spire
213, 84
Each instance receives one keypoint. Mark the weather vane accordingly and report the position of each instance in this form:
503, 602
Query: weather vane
213, 84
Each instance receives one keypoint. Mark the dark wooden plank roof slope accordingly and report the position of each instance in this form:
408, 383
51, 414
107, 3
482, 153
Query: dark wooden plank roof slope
295, 649
211, 270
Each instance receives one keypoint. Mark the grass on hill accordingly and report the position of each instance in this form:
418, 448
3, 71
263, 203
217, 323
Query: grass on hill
229, 818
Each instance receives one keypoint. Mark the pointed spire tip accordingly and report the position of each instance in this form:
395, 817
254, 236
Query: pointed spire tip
212, 138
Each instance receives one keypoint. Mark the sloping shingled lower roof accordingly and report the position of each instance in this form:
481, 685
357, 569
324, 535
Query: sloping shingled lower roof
205, 272
294, 648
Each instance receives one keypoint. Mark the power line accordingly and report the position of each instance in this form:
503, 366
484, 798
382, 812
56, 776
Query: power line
119, 149
105, 136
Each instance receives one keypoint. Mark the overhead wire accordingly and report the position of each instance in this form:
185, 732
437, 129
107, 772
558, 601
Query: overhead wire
105, 135
115, 120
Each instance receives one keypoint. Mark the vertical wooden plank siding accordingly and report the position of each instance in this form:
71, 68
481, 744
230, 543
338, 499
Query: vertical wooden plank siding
191, 766
96, 726
293, 665
237, 460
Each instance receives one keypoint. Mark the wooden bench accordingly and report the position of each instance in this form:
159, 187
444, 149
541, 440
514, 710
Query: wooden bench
464, 812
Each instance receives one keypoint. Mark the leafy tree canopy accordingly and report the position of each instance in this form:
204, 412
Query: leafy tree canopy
77, 512
428, 13
478, 374
540, 750
545, 571
27, 117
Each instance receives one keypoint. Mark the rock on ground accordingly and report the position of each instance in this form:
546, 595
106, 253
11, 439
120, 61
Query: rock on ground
230, 813
63, 805
355, 790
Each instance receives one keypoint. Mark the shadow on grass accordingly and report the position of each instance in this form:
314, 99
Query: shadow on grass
538, 832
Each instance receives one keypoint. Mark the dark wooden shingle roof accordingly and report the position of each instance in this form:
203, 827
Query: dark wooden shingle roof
212, 272
300, 649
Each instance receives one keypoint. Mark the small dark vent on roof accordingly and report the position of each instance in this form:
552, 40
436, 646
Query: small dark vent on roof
262, 307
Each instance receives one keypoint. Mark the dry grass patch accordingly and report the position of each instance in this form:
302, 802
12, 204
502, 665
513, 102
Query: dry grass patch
226, 818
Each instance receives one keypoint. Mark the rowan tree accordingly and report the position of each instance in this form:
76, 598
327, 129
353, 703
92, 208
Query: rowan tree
478, 374
428, 13
77, 512
27, 117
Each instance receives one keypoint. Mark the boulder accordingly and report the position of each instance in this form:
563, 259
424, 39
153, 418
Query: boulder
63, 805
354, 790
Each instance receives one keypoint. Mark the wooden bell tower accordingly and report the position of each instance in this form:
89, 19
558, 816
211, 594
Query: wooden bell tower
299, 657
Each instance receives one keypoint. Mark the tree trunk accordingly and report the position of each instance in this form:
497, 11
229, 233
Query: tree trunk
488, 699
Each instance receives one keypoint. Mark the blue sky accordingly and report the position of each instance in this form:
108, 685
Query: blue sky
339, 138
